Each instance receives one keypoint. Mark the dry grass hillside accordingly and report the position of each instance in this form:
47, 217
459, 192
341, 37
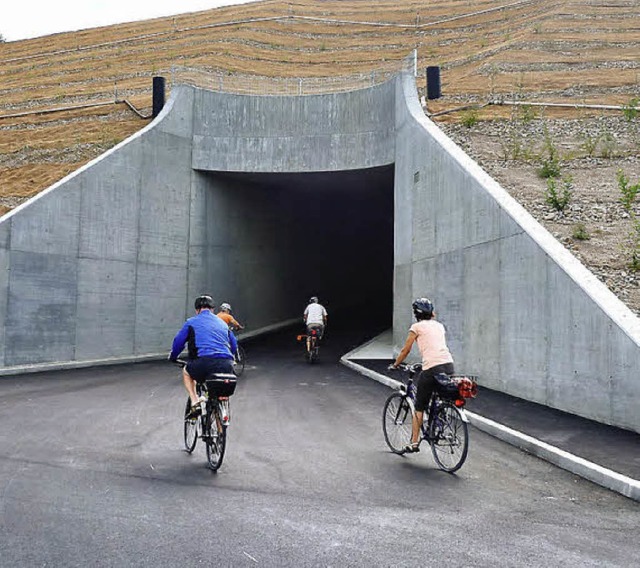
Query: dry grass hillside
580, 53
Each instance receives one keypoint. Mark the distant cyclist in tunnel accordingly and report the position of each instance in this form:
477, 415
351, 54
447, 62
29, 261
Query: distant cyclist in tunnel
225, 315
436, 358
315, 317
211, 346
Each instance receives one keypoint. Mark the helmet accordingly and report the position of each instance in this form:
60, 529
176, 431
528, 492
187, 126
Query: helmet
225, 306
204, 301
422, 308
313, 300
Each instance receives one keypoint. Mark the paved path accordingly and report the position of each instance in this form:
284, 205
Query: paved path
92, 473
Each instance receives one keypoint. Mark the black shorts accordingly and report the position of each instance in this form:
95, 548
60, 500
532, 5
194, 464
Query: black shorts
202, 368
427, 384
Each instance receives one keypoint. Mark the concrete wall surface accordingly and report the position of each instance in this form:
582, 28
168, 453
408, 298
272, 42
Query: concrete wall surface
521, 311
104, 265
96, 265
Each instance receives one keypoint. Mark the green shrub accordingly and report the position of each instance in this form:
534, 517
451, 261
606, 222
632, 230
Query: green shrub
470, 117
634, 264
589, 145
527, 113
550, 159
580, 232
608, 146
630, 110
629, 191
559, 198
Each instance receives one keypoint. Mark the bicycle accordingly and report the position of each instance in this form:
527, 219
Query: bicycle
239, 358
445, 425
212, 422
312, 347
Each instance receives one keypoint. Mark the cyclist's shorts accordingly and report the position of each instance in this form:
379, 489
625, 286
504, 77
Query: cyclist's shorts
202, 368
427, 384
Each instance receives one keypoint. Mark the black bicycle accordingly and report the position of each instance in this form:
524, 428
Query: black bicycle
445, 424
211, 422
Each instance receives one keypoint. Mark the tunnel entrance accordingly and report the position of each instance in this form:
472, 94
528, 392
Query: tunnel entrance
275, 239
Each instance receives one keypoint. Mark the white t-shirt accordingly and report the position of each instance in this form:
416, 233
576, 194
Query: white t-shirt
314, 313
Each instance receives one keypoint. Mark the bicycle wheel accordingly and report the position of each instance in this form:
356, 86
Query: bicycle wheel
190, 429
396, 422
239, 361
216, 442
449, 438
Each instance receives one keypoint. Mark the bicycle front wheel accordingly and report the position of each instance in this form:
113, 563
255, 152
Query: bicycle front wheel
239, 361
190, 428
396, 422
216, 442
449, 438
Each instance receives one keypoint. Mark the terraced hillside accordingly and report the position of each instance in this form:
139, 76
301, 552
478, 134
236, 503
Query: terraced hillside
581, 52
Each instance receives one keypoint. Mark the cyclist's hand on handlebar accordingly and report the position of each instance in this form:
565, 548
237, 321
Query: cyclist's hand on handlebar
392, 367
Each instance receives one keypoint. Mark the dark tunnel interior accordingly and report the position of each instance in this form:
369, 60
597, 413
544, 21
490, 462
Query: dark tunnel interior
280, 238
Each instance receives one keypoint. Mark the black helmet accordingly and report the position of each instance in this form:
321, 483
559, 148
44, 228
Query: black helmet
204, 301
422, 308
313, 300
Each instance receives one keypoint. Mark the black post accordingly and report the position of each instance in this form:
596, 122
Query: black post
158, 95
433, 82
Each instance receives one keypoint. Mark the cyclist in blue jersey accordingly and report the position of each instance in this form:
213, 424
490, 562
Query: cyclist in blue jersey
211, 347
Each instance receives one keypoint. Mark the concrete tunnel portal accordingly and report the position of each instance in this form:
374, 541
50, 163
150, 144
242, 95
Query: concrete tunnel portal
264, 200
281, 237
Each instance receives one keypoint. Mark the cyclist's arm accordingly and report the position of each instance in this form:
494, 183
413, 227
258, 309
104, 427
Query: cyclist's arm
236, 323
406, 349
233, 342
179, 342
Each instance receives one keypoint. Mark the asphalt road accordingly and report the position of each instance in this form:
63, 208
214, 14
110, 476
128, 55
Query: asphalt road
93, 473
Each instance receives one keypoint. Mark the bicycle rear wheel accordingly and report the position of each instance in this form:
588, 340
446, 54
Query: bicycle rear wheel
239, 361
216, 442
190, 428
449, 438
396, 422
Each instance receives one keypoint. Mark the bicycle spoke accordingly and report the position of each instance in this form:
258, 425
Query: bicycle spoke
396, 422
449, 438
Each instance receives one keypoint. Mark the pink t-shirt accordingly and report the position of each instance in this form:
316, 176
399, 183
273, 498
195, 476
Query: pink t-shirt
431, 342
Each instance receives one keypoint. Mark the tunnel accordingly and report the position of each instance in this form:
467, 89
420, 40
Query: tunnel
355, 196
275, 239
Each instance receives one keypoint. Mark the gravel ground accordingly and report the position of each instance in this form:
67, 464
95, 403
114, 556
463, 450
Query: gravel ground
591, 155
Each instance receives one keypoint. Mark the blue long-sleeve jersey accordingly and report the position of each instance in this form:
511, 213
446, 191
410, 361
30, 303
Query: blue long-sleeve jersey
207, 336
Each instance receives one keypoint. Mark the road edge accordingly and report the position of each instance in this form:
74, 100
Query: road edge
579, 466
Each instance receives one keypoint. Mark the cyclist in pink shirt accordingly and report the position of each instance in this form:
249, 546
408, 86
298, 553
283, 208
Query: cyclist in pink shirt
436, 358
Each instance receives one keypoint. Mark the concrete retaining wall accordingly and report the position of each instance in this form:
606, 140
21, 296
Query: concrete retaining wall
520, 310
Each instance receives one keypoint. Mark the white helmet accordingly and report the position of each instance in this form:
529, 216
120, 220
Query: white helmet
225, 306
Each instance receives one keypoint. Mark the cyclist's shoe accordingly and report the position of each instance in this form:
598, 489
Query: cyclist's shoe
195, 410
412, 448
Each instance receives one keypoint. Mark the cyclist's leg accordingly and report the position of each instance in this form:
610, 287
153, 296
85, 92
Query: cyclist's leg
426, 384
190, 385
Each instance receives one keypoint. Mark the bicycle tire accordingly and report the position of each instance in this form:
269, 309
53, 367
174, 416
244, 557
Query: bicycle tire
397, 419
190, 429
449, 438
239, 361
216, 444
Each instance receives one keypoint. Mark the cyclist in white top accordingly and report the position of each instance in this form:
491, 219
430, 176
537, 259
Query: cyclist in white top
315, 317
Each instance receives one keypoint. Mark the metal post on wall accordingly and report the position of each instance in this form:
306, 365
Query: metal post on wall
433, 83
158, 95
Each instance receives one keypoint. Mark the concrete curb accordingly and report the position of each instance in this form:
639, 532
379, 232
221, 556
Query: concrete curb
149, 357
593, 472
